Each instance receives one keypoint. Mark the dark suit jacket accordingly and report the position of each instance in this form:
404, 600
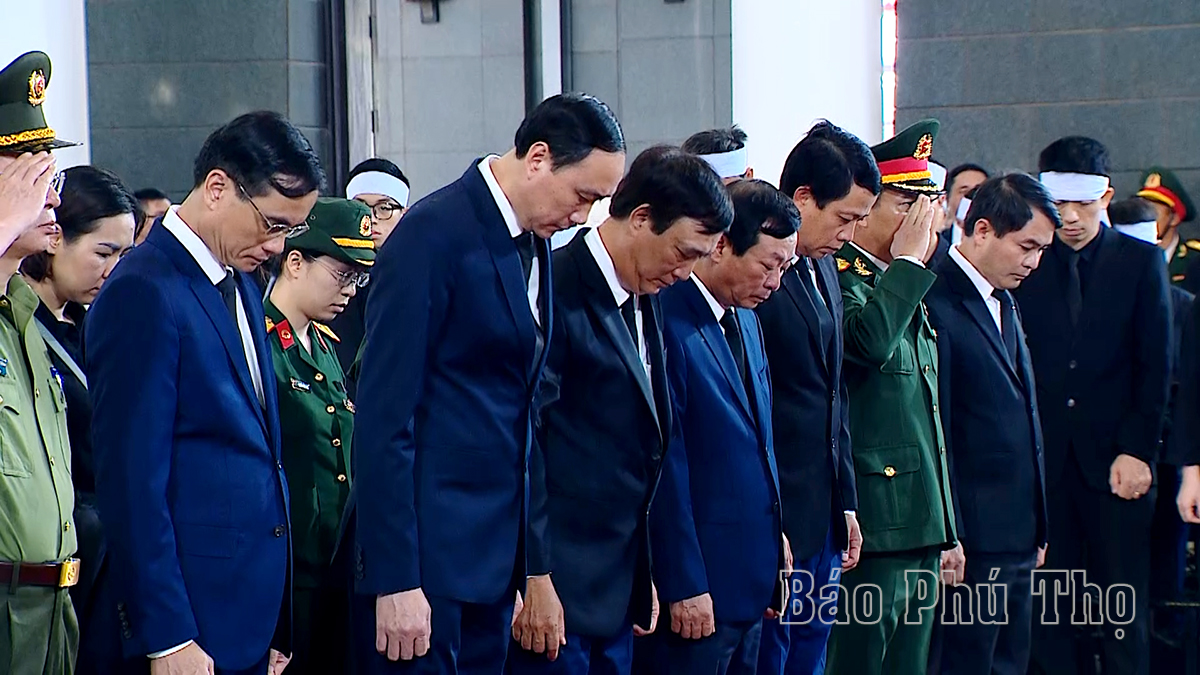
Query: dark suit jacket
599, 449
810, 414
1102, 385
715, 523
444, 402
188, 474
989, 412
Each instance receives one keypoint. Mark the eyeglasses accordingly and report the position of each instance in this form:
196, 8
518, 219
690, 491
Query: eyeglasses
57, 183
274, 229
347, 279
384, 210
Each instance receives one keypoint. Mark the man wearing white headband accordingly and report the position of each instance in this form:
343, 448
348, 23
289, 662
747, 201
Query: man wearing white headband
1097, 319
724, 150
383, 187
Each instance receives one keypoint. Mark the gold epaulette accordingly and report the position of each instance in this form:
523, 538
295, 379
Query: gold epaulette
327, 330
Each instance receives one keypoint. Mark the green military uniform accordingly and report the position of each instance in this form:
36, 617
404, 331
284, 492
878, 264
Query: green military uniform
39, 634
317, 419
1162, 186
905, 506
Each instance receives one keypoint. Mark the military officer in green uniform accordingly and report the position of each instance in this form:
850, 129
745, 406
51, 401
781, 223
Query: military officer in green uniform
319, 274
1179, 240
39, 634
904, 500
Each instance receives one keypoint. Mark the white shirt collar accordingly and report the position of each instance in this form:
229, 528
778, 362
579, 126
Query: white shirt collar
605, 262
213, 269
985, 289
717, 310
883, 267
505, 206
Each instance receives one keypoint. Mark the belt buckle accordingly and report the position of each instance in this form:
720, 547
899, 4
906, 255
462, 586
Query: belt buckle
68, 573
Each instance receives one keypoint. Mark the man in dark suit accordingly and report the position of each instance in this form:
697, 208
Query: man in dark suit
715, 526
456, 333
605, 413
961, 181
186, 436
1098, 318
833, 180
989, 412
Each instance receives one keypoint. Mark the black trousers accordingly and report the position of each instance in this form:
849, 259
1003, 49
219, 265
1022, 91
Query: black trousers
973, 635
1108, 538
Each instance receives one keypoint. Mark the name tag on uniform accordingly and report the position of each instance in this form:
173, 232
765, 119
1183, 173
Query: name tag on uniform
301, 386
3, 367
349, 406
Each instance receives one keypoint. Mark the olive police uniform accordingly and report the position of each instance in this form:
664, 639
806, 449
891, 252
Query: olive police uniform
39, 634
1162, 186
904, 499
317, 420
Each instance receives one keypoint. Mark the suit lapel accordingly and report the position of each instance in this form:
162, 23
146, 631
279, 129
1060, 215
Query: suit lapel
710, 332
652, 316
256, 316
975, 306
827, 271
794, 286
752, 338
601, 304
226, 327
507, 261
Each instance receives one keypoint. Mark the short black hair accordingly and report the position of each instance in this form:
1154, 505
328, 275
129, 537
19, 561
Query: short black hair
829, 161
378, 165
572, 126
262, 150
1075, 154
758, 208
715, 141
150, 194
675, 185
1131, 211
1007, 202
89, 194
961, 169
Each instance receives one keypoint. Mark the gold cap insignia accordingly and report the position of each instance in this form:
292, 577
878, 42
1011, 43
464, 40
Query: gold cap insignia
843, 265
924, 147
37, 87
364, 226
1153, 180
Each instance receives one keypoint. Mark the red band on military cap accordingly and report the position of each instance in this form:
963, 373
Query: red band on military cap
1162, 195
903, 165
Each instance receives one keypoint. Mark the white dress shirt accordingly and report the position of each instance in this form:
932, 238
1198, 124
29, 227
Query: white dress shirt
717, 310
985, 289
605, 262
215, 271
514, 231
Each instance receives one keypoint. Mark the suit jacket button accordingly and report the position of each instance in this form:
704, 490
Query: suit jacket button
1070, 403
280, 530
1072, 364
128, 635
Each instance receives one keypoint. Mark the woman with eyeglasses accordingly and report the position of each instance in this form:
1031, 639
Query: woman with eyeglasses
96, 221
319, 273
384, 188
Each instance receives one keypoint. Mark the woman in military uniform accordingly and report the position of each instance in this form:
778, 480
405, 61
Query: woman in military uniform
319, 273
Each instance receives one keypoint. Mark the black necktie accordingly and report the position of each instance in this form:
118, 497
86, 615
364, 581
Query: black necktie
733, 336
628, 313
824, 317
228, 289
1074, 288
525, 247
1008, 322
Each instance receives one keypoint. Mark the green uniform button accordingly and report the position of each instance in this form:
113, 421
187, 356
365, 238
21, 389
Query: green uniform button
337, 442
330, 409
341, 478
889, 471
319, 377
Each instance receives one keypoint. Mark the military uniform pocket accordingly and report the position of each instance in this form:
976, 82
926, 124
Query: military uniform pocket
890, 491
12, 463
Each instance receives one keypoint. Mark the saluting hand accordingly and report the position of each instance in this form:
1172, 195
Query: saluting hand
912, 239
1188, 500
403, 625
693, 618
24, 186
1129, 477
540, 626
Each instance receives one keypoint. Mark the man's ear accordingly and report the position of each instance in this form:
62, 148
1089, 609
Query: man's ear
749, 173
